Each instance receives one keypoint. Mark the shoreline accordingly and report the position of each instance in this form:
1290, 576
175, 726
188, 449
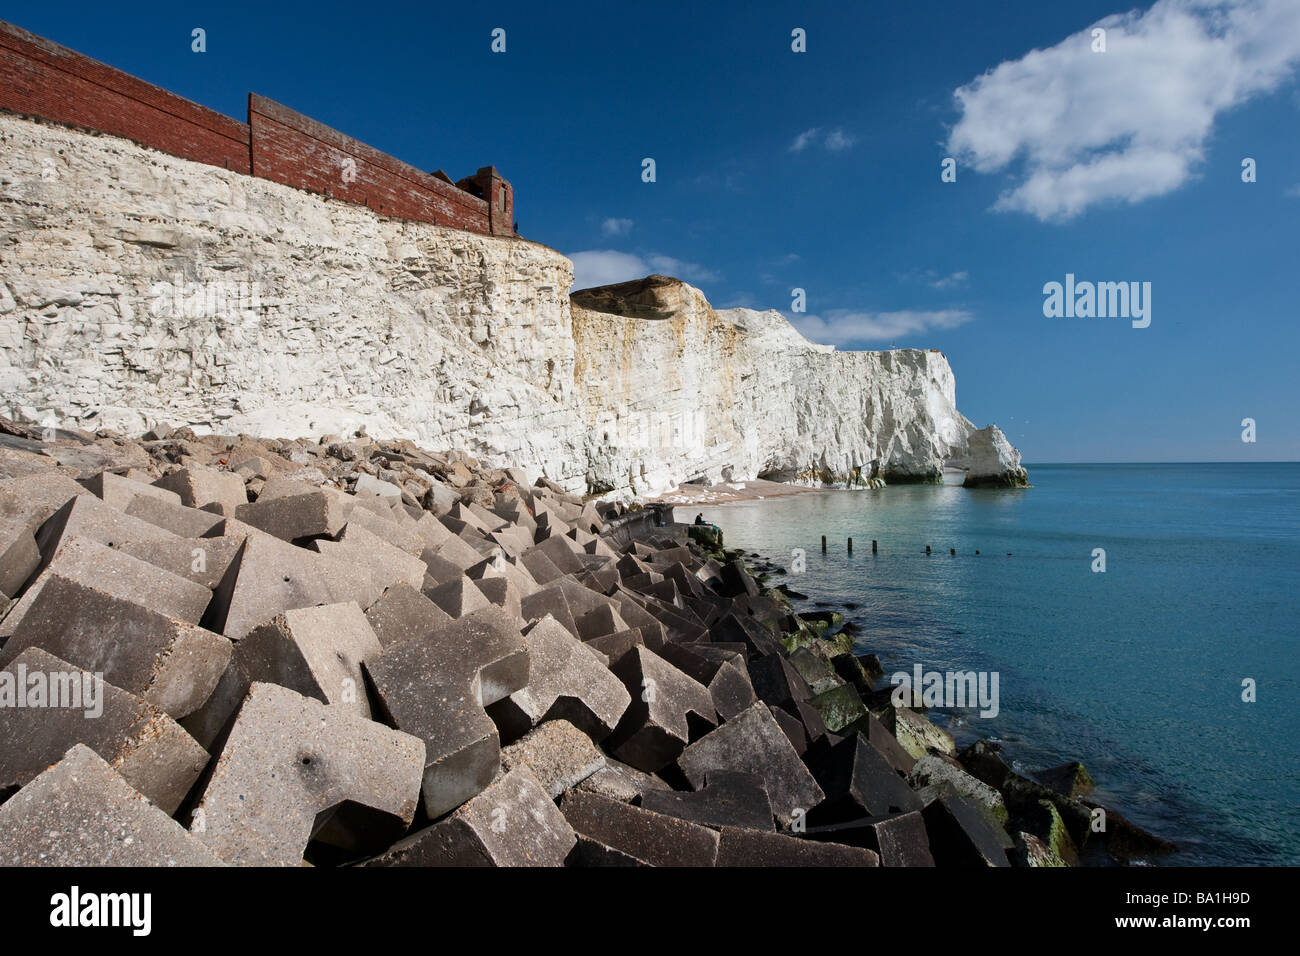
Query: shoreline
1067, 785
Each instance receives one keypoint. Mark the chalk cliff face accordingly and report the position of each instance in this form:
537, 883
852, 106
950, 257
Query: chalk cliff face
679, 390
137, 288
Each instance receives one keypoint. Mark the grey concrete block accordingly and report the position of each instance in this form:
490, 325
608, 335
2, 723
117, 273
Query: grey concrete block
172, 664
199, 487
148, 748
618, 781
402, 613
269, 576
387, 563
316, 651
665, 705
612, 833
118, 492
32, 499
436, 687
19, 556
293, 769
560, 754
458, 597
754, 848
858, 782
753, 742
728, 799
172, 516
89, 518
511, 823
567, 680
81, 813
297, 516
118, 574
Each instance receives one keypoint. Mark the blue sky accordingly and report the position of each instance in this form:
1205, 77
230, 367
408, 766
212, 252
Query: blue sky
821, 170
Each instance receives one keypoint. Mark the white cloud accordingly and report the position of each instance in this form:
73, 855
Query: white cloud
595, 267
837, 140
948, 281
1293, 191
834, 140
844, 326
616, 227
1132, 122
666, 265
803, 139
605, 267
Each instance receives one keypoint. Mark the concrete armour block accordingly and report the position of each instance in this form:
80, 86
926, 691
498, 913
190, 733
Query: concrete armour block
32, 499
172, 664
599, 622
458, 597
315, 651
387, 563
567, 680
296, 516
962, 833
199, 487
753, 742
515, 573
88, 518
728, 800
460, 553
118, 492
666, 710
613, 646
540, 567
170, 516
899, 839
501, 592
620, 782
81, 813
560, 754
858, 782
63, 705
731, 689
19, 556
90, 563
431, 531
793, 728
839, 707
437, 686
612, 833
755, 848
293, 768
403, 612
933, 777
776, 682
511, 823
269, 576
403, 536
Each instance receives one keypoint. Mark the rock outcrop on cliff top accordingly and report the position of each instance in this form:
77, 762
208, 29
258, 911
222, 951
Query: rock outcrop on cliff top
139, 288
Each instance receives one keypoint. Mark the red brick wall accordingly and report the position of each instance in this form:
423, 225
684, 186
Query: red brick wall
41, 78
292, 149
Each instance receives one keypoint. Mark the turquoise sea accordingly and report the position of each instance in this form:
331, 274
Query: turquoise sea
1137, 671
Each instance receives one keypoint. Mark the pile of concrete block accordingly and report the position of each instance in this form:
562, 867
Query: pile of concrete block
228, 651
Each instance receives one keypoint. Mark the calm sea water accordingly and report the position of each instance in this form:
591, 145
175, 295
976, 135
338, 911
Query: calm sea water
1137, 671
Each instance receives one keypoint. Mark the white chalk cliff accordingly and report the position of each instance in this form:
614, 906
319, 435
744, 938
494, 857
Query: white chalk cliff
137, 288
